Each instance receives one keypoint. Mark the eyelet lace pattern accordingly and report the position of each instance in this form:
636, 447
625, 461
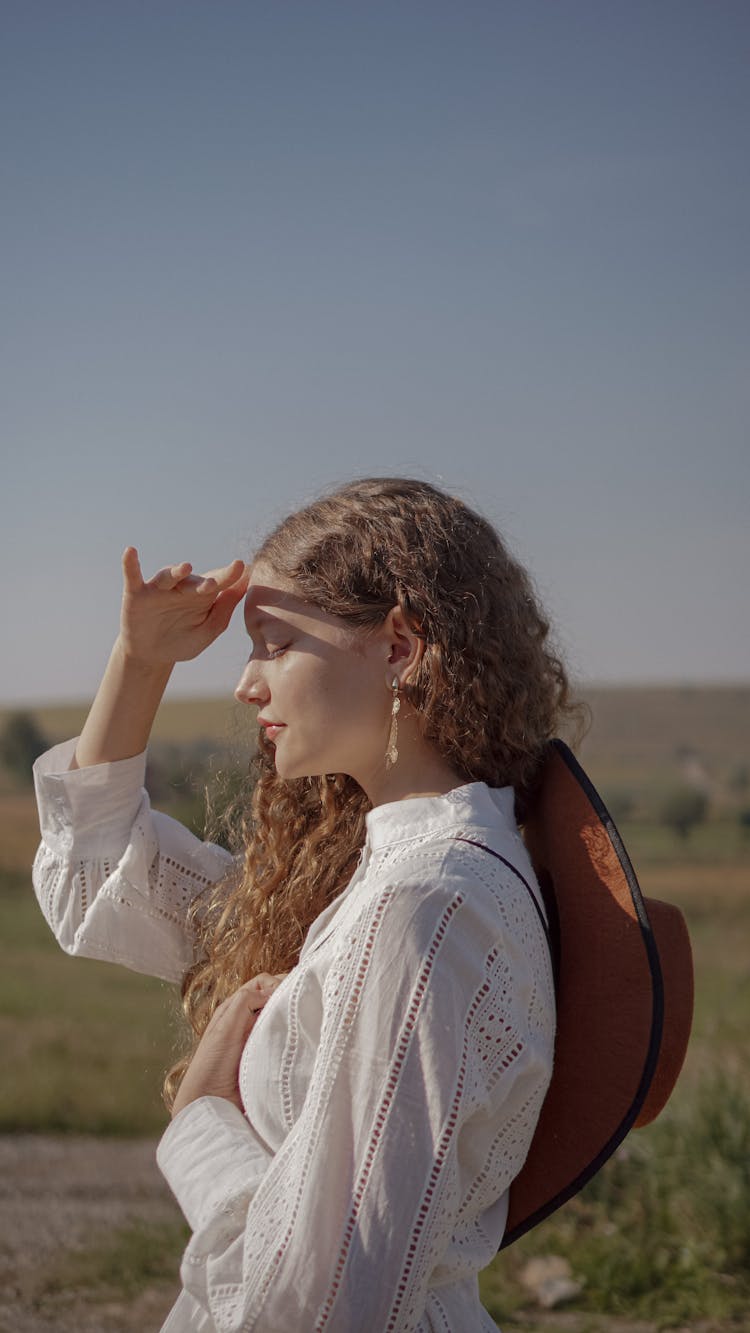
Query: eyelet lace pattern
127, 903
392, 1084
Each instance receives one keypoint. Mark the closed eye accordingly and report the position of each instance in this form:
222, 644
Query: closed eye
265, 651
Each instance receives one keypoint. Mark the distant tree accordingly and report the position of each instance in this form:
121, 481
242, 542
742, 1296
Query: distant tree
21, 742
739, 779
683, 808
744, 821
620, 804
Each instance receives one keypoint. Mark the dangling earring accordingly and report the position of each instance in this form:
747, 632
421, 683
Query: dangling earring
391, 754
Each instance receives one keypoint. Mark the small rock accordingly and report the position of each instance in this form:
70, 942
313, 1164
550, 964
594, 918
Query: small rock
549, 1279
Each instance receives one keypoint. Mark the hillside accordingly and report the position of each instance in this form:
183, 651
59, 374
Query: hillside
644, 735
651, 735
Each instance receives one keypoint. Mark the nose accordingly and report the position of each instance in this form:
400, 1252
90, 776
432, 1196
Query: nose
250, 687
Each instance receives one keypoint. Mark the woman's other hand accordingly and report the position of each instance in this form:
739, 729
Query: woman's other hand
214, 1068
173, 616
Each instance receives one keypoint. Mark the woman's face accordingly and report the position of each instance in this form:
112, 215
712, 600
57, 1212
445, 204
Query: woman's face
321, 687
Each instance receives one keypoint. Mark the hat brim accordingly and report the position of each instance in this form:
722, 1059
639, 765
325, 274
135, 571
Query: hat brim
624, 989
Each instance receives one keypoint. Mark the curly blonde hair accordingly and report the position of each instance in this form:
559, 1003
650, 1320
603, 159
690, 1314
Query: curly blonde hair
490, 691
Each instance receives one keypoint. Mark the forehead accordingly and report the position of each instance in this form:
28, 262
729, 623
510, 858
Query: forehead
273, 601
270, 598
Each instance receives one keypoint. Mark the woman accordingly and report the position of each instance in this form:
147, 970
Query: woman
369, 983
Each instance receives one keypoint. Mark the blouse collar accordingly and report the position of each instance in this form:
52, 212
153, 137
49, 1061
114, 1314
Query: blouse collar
474, 805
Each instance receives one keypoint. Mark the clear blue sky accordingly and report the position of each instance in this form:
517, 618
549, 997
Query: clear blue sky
252, 249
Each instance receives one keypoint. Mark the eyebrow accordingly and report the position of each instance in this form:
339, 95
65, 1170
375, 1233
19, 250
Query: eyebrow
256, 620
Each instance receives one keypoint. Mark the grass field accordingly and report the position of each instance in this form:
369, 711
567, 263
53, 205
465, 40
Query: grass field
662, 1234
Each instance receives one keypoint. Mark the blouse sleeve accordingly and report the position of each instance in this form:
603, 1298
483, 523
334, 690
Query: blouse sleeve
114, 879
344, 1226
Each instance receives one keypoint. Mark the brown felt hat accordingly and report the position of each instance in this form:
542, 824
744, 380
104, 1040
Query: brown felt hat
624, 988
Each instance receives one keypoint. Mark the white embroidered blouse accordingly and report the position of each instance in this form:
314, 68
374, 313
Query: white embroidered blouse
391, 1085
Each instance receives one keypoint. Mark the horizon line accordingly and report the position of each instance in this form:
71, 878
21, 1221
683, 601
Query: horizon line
182, 696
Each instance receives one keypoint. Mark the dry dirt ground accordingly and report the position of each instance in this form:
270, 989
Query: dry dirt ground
60, 1195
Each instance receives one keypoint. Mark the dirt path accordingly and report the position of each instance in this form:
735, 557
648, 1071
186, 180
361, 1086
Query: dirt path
61, 1196
57, 1197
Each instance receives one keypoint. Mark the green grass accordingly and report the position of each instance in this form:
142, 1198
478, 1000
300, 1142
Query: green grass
120, 1265
716, 904
87, 1042
717, 842
663, 1232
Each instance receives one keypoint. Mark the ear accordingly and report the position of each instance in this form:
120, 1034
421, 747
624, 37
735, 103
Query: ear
404, 647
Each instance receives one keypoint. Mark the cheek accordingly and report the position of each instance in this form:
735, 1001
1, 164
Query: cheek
315, 691
338, 697
360, 699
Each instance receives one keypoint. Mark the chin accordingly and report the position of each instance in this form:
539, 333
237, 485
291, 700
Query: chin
289, 770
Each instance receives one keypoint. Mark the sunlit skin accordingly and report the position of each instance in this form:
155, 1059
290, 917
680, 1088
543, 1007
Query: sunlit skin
328, 686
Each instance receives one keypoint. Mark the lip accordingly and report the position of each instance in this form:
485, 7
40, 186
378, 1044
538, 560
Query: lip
271, 728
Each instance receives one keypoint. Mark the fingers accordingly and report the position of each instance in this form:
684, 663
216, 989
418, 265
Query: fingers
219, 580
221, 612
181, 577
260, 987
168, 578
131, 569
256, 992
265, 981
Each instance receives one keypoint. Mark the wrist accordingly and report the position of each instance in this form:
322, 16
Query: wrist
146, 668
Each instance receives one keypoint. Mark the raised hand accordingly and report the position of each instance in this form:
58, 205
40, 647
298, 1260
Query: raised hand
173, 616
169, 618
